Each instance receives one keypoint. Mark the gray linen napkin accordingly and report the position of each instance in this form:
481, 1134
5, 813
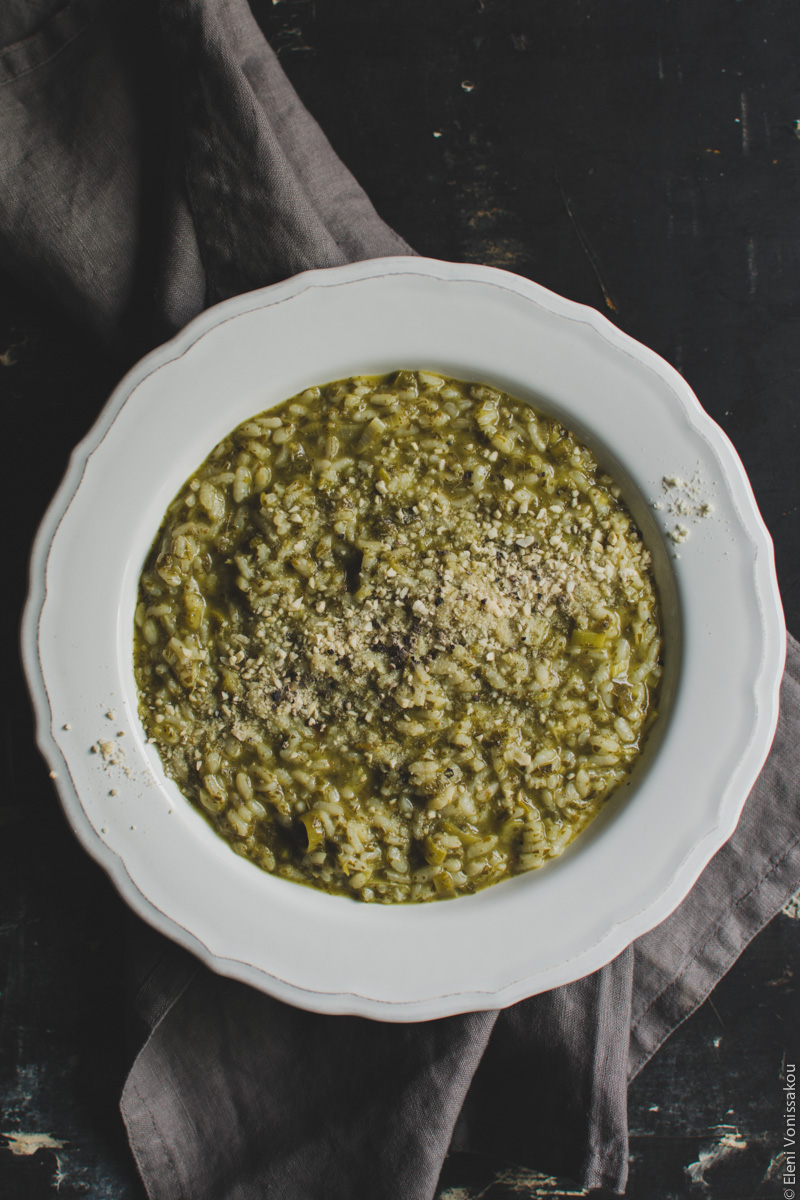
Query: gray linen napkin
135, 224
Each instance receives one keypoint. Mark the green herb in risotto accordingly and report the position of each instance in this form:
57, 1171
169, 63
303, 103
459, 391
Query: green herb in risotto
398, 638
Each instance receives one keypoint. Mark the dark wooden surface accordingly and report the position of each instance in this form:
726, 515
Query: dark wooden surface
641, 158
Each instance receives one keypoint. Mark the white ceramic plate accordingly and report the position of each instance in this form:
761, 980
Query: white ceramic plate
724, 634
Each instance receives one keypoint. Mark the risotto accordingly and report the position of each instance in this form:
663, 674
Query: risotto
398, 638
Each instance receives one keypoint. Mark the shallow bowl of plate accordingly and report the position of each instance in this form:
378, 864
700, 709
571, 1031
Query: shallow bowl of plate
722, 622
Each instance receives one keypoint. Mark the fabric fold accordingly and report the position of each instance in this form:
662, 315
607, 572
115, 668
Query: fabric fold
255, 1098
134, 223
748, 881
551, 1090
75, 170
247, 136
